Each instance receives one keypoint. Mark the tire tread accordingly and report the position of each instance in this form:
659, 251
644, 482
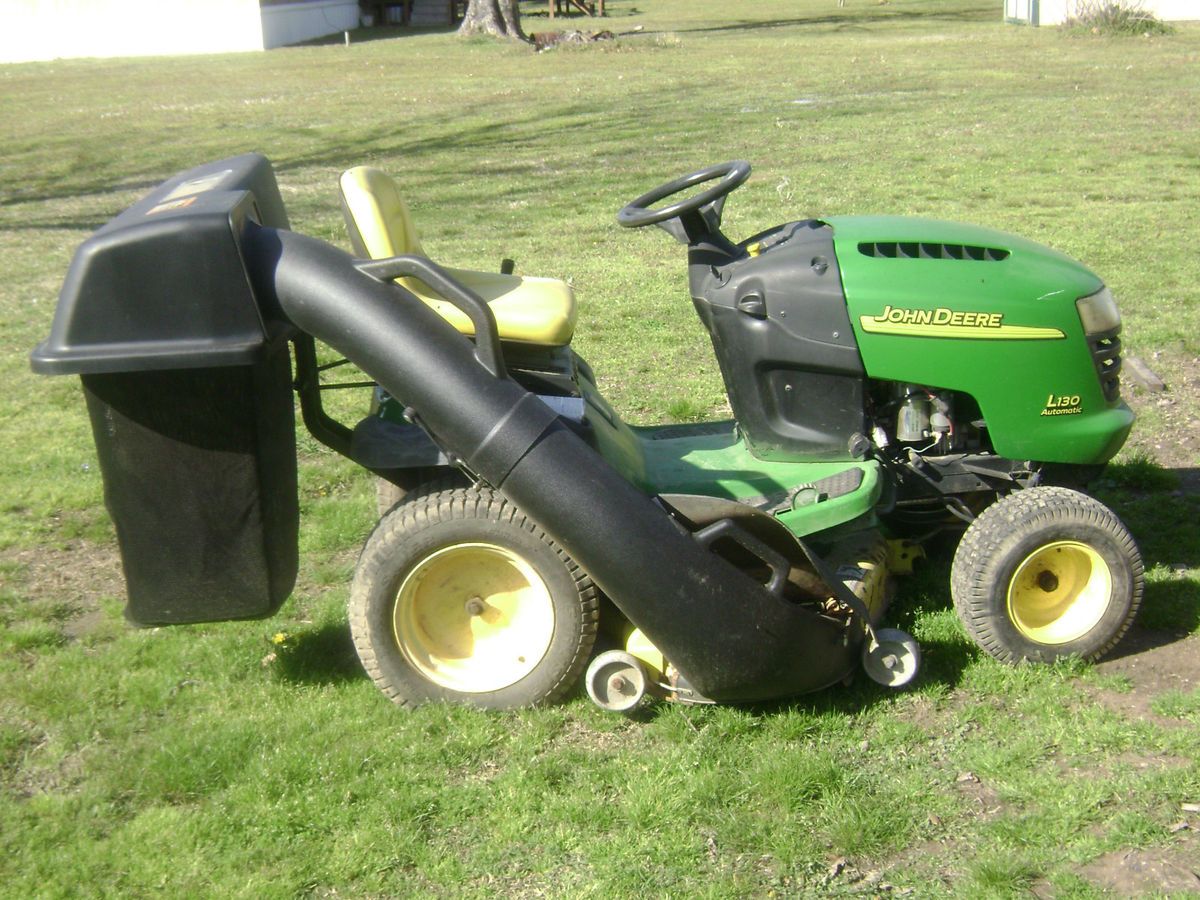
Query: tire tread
972, 584
435, 503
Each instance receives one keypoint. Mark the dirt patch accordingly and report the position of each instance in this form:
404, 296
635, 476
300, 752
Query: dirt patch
1144, 763
1160, 870
923, 712
984, 798
67, 581
580, 734
1174, 439
1155, 662
55, 779
1141, 763
548, 40
574, 733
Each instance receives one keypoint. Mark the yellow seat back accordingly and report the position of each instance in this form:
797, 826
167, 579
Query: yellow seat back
528, 310
376, 217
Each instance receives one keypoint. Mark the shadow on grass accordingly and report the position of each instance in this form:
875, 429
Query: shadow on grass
324, 655
850, 20
300, 148
88, 225
1142, 639
942, 665
1159, 506
343, 151
61, 189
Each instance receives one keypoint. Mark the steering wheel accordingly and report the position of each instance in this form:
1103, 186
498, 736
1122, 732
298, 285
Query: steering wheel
638, 213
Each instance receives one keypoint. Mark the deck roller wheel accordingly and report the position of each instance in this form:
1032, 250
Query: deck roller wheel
616, 681
892, 657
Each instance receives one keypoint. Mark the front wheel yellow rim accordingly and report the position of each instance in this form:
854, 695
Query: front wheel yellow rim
1059, 592
473, 617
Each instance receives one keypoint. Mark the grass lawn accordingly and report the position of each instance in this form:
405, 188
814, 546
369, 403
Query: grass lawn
216, 761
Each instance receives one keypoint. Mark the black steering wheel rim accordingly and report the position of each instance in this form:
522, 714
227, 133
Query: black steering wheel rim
637, 213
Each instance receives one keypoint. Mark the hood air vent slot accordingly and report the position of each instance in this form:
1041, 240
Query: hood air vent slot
930, 250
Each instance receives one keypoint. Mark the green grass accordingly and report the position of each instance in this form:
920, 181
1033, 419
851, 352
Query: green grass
210, 760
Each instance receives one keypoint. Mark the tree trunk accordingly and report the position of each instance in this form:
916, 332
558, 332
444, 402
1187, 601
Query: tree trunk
499, 18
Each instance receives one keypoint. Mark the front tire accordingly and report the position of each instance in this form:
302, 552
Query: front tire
1046, 573
458, 596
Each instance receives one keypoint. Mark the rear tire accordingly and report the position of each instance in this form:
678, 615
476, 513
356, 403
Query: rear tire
459, 597
1046, 573
387, 495
420, 480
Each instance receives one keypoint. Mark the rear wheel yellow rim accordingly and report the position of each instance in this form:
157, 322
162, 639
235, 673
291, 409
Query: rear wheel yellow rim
1059, 592
473, 617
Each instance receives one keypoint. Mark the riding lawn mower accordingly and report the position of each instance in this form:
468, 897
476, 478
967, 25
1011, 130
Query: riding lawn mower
890, 379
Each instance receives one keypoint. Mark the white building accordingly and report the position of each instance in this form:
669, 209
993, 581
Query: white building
55, 29
1055, 12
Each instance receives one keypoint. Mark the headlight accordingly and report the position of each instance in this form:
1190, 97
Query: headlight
1099, 312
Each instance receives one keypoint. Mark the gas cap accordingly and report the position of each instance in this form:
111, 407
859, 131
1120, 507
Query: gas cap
752, 304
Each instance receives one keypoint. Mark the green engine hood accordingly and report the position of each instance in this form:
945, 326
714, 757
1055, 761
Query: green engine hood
988, 314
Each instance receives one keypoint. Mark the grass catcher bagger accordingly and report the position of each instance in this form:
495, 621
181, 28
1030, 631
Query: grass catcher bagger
890, 379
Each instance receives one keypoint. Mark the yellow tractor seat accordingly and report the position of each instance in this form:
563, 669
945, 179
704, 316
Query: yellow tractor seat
528, 310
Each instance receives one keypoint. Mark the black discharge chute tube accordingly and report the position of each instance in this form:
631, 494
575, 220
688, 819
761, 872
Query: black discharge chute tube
724, 632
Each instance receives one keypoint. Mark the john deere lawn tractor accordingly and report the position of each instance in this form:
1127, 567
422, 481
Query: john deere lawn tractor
890, 379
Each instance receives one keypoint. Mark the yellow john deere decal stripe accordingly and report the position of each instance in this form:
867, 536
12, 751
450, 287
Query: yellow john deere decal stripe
948, 323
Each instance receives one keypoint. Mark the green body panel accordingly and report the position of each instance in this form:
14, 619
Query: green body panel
615, 440
1017, 383
713, 460
682, 460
